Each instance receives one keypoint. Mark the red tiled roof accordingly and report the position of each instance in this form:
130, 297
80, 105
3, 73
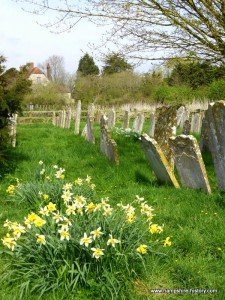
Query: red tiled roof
35, 70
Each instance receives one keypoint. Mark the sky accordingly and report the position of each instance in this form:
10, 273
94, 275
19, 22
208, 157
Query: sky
23, 40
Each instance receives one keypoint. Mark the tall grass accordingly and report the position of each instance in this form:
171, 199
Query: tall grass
193, 220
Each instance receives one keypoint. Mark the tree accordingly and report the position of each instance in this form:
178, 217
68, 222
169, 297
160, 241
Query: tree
115, 63
184, 27
87, 66
13, 87
57, 68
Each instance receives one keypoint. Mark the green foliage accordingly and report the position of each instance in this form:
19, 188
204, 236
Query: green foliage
13, 87
73, 240
115, 63
195, 73
216, 90
87, 66
45, 95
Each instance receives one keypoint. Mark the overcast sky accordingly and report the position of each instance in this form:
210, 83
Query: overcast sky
23, 40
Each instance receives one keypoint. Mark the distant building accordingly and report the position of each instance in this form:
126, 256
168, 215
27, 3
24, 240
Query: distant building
36, 75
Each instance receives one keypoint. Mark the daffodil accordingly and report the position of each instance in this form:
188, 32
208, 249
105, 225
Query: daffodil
40, 162
97, 252
111, 241
41, 239
167, 242
142, 249
86, 240
64, 234
9, 242
51, 207
70, 210
57, 217
44, 211
90, 207
78, 181
139, 199
39, 222
88, 179
45, 196
107, 211
155, 228
11, 189
67, 186
96, 233
42, 172
18, 230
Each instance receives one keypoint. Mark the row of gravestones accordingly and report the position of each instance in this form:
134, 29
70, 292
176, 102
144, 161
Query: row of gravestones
166, 148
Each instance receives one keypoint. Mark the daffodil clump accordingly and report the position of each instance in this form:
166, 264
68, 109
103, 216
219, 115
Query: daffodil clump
75, 231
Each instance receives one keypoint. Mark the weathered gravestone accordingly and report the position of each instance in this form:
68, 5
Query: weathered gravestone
12, 129
151, 125
158, 161
126, 119
91, 110
112, 118
196, 123
138, 123
68, 119
90, 131
215, 116
62, 119
186, 128
107, 145
165, 127
182, 116
189, 162
204, 143
77, 118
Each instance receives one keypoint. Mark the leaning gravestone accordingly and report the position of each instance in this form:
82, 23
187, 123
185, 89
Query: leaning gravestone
189, 162
77, 118
107, 145
90, 131
165, 127
215, 116
158, 161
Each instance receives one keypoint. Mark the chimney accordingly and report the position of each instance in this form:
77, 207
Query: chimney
30, 66
48, 72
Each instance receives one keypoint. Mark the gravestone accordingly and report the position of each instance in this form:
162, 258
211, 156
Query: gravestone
107, 145
62, 119
138, 123
196, 122
204, 143
151, 125
215, 116
186, 128
112, 118
77, 118
90, 131
12, 129
68, 119
165, 127
91, 110
182, 116
158, 161
126, 119
189, 162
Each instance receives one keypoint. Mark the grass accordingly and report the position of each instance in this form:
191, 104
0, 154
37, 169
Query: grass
193, 219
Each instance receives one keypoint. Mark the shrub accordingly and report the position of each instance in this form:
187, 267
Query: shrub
73, 241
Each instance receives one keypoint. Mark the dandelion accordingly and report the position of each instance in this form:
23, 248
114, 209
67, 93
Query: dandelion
86, 240
45, 196
111, 241
96, 233
167, 242
41, 239
78, 181
142, 249
51, 207
11, 189
155, 228
97, 252
41, 163
9, 242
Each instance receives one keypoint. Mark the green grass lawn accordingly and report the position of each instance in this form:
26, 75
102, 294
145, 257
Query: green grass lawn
193, 219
